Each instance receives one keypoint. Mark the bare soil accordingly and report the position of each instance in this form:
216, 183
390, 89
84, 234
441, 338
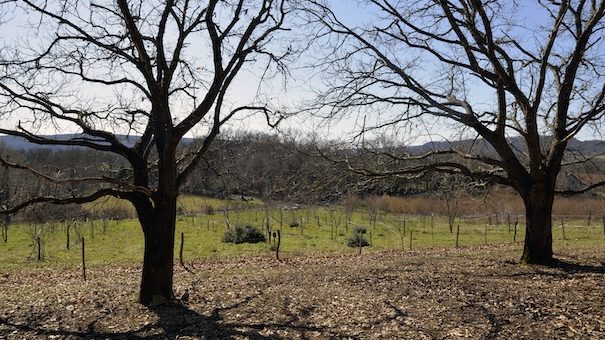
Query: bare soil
478, 292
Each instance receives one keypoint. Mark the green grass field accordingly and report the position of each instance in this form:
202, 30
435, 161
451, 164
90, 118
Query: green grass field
324, 230
186, 204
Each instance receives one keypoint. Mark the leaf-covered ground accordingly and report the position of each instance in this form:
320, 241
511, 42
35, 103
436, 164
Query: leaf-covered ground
478, 292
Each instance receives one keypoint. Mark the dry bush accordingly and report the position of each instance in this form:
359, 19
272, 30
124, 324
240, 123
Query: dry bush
351, 203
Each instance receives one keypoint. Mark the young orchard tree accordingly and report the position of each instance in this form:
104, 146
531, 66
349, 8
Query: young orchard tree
523, 78
153, 70
454, 192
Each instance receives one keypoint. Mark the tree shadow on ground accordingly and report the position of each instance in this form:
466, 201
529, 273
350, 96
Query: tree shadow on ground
577, 268
557, 268
175, 320
179, 320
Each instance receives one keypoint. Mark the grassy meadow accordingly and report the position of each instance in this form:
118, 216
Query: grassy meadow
202, 221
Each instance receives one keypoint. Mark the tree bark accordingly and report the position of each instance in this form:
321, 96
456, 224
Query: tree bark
158, 260
159, 224
538, 225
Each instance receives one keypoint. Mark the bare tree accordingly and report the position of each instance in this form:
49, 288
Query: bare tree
5, 201
523, 89
153, 70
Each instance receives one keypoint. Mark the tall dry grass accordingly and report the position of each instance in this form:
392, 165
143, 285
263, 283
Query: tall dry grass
496, 202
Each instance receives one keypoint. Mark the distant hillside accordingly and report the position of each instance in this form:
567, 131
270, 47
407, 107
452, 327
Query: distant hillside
19, 143
480, 146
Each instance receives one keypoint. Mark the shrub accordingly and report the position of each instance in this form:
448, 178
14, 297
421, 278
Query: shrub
354, 241
247, 234
208, 209
360, 230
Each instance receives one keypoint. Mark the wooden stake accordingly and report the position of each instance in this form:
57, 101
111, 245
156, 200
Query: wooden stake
563, 228
67, 234
410, 240
401, 234
5, 231
508, 222
39, 248
457, 234
278, 244
181, 250
281, 219
83, 260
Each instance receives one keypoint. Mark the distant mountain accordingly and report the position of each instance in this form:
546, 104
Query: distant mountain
589, 147
480, 146
476, 146
20, 143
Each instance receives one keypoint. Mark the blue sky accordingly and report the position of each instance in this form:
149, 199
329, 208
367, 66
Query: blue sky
245, 90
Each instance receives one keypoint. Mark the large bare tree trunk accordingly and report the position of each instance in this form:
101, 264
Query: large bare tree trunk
156, 281
538, 218
159, 223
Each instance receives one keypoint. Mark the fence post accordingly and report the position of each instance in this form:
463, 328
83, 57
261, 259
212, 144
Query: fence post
410, 239
457, 234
